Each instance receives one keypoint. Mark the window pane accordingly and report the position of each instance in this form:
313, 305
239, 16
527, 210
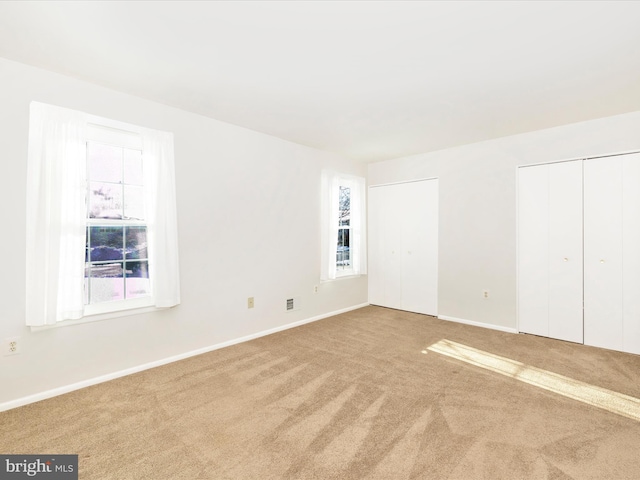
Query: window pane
136, 243
107, 282
105, 200
345, 206
133, 202
106, 243
105, 163
343, 255
132, 167
137, 279
116, 255
343, 237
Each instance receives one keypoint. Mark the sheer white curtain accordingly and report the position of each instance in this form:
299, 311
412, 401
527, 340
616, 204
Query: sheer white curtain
56, 212
331, 183
161, 216
329, 230
358, 226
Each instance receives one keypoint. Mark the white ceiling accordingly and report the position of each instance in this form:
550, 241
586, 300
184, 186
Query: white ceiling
369, 80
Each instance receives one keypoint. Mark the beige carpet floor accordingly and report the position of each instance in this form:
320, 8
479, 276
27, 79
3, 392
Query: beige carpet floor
356, 396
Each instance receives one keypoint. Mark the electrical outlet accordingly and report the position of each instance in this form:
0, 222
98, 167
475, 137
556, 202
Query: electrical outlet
315, 289
250, 302
11, 346
485, 294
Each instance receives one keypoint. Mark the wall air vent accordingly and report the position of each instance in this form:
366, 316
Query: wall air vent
293, 303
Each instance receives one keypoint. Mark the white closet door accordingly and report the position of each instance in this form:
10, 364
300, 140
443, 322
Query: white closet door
631, 253
603, 241
579, 251
403, 246
420, 247
550, 250
565, 251
533, 250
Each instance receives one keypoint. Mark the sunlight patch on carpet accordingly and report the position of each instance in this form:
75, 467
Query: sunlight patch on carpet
609, 400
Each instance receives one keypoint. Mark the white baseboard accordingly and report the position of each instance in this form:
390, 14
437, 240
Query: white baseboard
478, 324
19, 402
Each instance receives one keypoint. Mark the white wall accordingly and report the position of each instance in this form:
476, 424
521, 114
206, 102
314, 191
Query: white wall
477, 237
248, 213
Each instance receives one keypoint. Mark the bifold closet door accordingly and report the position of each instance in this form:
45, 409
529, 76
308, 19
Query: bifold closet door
385, 234
420, 247
550, 250
565, 252
403, 246
612, 252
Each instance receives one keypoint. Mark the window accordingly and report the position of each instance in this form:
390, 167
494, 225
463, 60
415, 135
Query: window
343, 259
101, 217
343, 224
116, 259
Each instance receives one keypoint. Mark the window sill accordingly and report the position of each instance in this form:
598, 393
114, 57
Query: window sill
98, 314
343, 276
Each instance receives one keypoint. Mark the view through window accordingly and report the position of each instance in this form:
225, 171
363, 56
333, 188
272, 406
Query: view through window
343, 255
116, 261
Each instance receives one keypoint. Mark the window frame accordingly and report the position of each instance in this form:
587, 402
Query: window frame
112, 133
344, 272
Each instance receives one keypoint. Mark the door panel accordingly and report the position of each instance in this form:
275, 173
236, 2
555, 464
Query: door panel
631, 252
603, 253
385, 277
431, 243
393, 246
533, 250
565, 251
420, 247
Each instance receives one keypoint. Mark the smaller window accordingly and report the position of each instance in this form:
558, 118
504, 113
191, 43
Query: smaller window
343, 253
343, 226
